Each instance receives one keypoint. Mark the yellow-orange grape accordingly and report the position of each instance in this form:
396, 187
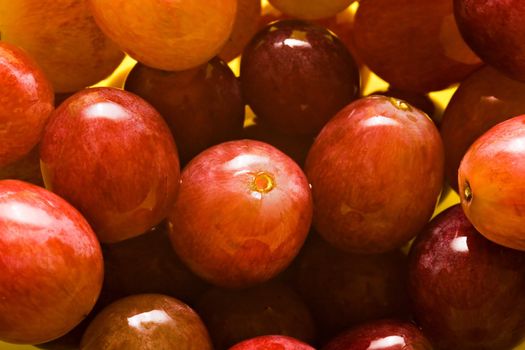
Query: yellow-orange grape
167, 35
311, 9
244, 28
63, 38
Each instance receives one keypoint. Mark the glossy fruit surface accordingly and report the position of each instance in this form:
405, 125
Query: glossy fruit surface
148, 264
242, 213
418, 100
376, 171
110, 154
244, 28
147, 322
168, 35
26, 103
434, 57
381, 335
490, 180
71, 340
270, 309
296, 75
342, 25
483, 100
311, 9
63, 38
51, 266
467, 292
344, 290
202, 106
495, 31
272, 342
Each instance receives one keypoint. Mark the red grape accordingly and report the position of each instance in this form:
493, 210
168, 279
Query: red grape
376, 171
242, 213
272, 342
491, 183
483, 100
467, 292
414, 45
297, 75
381, 335
342, 25
495, 30
202, 106
418, 100
26, 103
147, 322
51, 266
112, 156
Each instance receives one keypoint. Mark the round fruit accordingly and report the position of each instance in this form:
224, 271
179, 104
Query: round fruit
376, 171
167, 35
495, 30
268, 342
297, 75
51, 266
484, 99
112, 156
490, 178
381, 335
25, 105
421, 101
202, 106
467, 292
414, 45
62, 36
242, 213
146, 322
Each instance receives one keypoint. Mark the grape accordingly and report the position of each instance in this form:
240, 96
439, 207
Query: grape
63, 38
296, 75
168, 35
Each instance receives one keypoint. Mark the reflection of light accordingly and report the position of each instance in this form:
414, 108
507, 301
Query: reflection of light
515, 145
141, 320
459, 244
256, 195
379, 120
106, 110
387, 342
25, 215
490, 99
244, 160
291, 42
296, 43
